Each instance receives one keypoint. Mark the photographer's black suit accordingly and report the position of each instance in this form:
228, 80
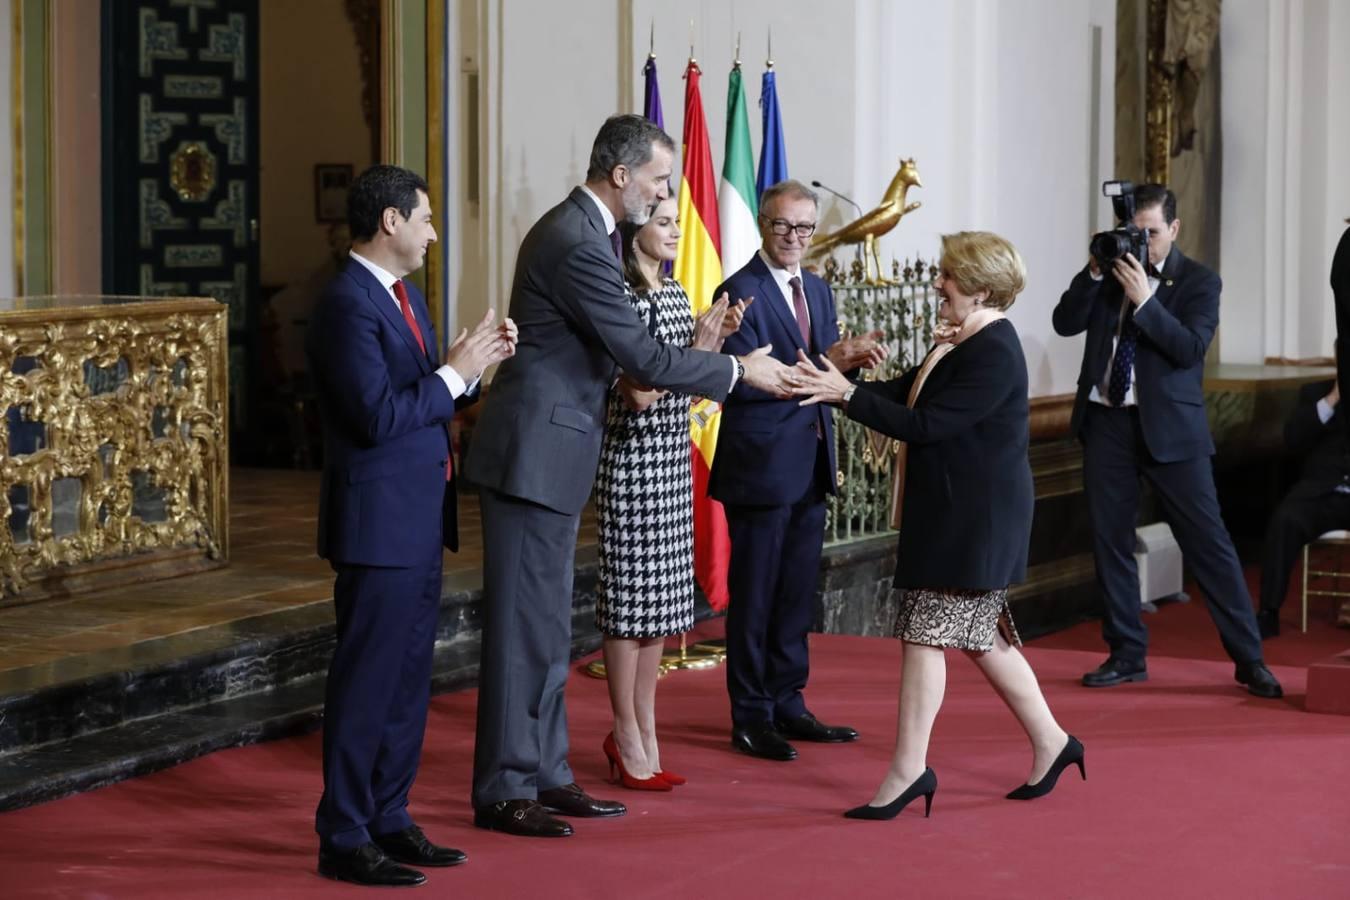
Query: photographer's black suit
1318, 501
1165, 438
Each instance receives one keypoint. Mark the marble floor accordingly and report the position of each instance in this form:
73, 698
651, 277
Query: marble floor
273, 572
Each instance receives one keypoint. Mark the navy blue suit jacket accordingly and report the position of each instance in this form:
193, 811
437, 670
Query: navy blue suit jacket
384, 500
766, 447
1175, 328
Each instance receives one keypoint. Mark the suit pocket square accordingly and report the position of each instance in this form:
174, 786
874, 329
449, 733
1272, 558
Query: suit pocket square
575, 419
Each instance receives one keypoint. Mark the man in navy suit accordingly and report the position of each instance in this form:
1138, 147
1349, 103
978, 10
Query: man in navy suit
1140, 411
773, 469
386, 508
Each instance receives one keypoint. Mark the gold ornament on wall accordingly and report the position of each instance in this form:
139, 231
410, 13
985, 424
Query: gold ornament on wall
871, 225
114, 434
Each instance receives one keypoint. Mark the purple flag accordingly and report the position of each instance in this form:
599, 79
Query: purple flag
651, 100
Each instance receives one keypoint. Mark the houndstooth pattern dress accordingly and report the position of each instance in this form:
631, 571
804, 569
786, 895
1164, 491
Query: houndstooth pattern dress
644, 497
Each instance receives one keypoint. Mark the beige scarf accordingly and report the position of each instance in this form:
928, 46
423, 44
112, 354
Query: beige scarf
946, 338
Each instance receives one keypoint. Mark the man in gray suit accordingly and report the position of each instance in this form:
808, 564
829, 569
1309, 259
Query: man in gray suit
534, 455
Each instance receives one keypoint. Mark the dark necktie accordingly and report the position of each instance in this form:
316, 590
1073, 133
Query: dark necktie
618, 244
401, 293
799, 310
1122, 366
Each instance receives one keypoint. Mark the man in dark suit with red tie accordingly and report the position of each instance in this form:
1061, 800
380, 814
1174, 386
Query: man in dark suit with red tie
1140, 412
774, 467
386, 509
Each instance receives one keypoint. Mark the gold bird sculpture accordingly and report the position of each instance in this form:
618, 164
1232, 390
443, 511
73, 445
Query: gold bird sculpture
872, 225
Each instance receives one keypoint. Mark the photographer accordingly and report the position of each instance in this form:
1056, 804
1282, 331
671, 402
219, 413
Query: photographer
1140, 412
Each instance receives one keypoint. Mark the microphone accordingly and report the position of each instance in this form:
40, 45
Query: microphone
837, 194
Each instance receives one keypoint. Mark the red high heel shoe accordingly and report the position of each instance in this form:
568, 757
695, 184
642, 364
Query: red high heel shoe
671, 777
655, 783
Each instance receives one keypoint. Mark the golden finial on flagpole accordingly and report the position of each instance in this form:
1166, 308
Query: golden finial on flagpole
737, 63
691, 42
768, 62
651, 42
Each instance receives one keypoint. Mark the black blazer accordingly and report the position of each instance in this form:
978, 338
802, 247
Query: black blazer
767, 447
1175, 327
968, 490
1340, 291
539, 434
1323, 448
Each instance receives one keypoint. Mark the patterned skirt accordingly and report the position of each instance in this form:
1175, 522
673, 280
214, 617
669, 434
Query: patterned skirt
964, 619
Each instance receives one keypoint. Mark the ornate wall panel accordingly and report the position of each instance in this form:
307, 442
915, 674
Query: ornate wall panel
114, 441
181, 206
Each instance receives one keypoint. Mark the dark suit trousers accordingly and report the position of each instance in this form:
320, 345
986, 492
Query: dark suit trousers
375, 701
1309, 510
1114, 458
529, 554
774, 566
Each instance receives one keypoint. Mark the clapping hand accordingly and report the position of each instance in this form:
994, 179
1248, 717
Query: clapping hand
859, 351
719, 322
819, 385
473, 351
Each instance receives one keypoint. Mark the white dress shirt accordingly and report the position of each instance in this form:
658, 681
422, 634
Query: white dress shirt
454, 382
782, 277
1098, 392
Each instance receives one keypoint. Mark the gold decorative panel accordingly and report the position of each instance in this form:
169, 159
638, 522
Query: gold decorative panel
114, 435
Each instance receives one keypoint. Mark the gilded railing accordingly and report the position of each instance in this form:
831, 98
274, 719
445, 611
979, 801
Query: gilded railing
114, 435
904, 312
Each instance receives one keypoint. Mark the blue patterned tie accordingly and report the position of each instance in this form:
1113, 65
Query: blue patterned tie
1122, 366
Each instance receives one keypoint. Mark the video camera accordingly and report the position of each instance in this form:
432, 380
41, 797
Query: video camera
1109, 246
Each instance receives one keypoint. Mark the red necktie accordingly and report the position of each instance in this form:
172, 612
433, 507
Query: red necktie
799, 309
401, 293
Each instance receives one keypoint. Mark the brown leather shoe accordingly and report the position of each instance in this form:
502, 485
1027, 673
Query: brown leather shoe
526, 818
571, 800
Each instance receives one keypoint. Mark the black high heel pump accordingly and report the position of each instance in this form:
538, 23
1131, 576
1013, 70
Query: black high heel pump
925, 784
1071, 755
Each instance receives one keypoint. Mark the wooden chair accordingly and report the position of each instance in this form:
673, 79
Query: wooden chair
1330, 549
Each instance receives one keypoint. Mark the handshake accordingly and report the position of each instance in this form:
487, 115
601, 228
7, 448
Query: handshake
769, 375
473, 351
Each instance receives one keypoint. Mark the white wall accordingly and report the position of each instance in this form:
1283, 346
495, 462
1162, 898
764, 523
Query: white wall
993, 100
1286, 188
6, 154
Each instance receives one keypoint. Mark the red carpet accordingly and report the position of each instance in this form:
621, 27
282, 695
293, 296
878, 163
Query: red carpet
1194, 790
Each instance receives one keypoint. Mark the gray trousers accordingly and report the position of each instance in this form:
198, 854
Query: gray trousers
529, 556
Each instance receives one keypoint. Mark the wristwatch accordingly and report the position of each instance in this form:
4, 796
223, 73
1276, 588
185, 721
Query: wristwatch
848, 395
740, 367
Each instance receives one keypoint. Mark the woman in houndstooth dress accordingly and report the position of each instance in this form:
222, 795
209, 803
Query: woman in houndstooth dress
644, 506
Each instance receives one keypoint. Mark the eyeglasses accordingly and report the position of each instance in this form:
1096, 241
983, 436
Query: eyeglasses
783, 226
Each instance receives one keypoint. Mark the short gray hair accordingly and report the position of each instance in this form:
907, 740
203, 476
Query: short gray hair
625, 140
791, 189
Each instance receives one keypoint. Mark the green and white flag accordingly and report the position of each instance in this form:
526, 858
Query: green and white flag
736, 204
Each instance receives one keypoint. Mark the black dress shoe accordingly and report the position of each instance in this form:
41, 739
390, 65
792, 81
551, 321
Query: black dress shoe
807, 727
924, 786
526, 818
366, 864
1268, 623
762, 741
1072, 755
1259, 680
1115, 671
411, 846
571, 800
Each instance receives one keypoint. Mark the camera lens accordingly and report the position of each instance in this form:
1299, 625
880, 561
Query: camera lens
1109, 246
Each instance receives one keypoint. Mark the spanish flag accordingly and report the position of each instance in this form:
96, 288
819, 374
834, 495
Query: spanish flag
699, 269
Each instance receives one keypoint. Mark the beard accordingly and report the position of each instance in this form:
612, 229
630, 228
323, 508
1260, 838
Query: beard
636, 211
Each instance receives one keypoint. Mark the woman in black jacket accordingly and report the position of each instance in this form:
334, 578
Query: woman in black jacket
966, 515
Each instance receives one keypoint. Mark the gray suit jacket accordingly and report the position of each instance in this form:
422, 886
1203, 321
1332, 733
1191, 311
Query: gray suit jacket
538, 437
